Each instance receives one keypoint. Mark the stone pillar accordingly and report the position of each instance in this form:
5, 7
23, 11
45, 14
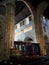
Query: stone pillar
38, 25
9, 28
39, 32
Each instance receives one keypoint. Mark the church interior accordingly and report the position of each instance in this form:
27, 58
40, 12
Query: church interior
24, 31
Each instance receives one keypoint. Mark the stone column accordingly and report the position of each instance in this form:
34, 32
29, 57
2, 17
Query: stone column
38, 25
39, 32
9, 33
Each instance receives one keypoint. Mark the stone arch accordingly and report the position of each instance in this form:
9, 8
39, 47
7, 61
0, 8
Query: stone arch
31, 9
28, 39
29, 6
42, 7
3, 4
2, 9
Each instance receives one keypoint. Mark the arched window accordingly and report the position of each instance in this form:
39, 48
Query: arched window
2, 10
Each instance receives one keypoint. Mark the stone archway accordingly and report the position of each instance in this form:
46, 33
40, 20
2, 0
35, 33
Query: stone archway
37, 22
28, 4
28, 39
31, 9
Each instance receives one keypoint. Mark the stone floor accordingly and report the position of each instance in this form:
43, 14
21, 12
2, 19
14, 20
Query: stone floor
42, 60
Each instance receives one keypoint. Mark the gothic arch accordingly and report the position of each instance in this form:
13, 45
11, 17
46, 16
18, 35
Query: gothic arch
30, 7
2, 10
42, 7
32, 11
28, 39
